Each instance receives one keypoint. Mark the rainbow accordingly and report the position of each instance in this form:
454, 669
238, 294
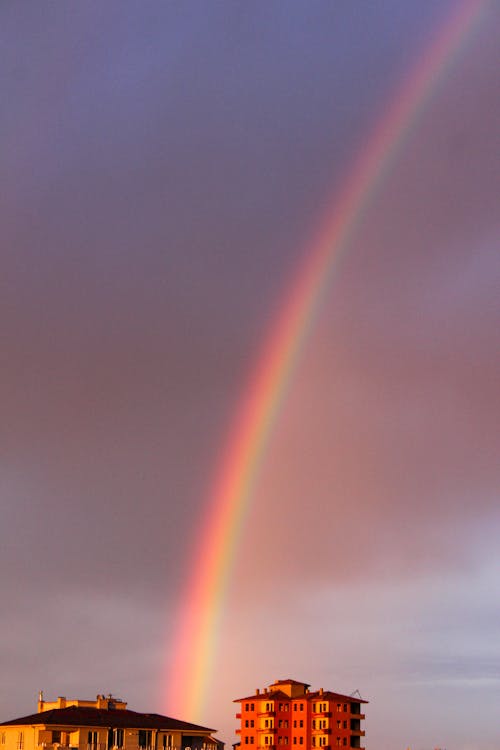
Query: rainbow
192, 652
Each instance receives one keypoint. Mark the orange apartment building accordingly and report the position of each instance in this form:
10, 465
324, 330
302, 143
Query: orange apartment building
288, 713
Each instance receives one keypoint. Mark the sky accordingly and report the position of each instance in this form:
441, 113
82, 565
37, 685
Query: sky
164, 168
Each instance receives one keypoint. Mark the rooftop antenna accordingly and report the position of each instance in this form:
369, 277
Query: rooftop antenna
356, 693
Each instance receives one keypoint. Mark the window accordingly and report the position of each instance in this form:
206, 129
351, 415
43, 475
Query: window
252, 706
285, 740
251, 740
2, 738
252, 723
345, 740
280, 707
314, 708
145, 738
295, 740
56, 736
294, 723
339, 724
246, 740
345, 706
118, 738
287, 706
301, 740
247, 706
246, 722
20, 741
285, 723
294, 706
301, 706
339, 707
91, 739
345, 724
313, 741
314, 723
301, 722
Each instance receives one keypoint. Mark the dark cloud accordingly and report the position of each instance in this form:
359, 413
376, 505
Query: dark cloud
164, 169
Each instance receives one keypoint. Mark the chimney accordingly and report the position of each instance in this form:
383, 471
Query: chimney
257, 692
321, 691
61, 701
40, 701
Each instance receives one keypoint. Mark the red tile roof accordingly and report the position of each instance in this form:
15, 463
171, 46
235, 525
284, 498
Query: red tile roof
328, 695
268, 695
75, 716
280, 695
290, 682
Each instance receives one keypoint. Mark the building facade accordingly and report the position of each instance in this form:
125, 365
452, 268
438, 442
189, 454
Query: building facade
103, 724
288, 713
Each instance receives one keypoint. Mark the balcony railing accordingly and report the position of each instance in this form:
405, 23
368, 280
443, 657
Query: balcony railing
358, 716
268, 730
266, 713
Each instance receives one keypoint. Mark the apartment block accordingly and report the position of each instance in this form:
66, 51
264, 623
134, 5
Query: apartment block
288, 713
103, 724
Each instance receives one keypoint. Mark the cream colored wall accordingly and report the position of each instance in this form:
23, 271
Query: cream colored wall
100, 702
13, 741
36, 737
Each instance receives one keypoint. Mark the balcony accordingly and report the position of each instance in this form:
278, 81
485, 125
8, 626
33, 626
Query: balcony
321, 713
357, 732
238, 716
268, 730
238, 731
357, 716
325, 730
266, 713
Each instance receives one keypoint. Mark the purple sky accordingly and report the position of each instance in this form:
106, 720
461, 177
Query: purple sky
164, 167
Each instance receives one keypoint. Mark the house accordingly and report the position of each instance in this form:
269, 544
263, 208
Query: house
102, 724
288, 713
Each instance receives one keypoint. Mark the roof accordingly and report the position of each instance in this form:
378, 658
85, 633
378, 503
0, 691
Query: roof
76, 716
329, 695
271, 695
291, 682
278, 694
